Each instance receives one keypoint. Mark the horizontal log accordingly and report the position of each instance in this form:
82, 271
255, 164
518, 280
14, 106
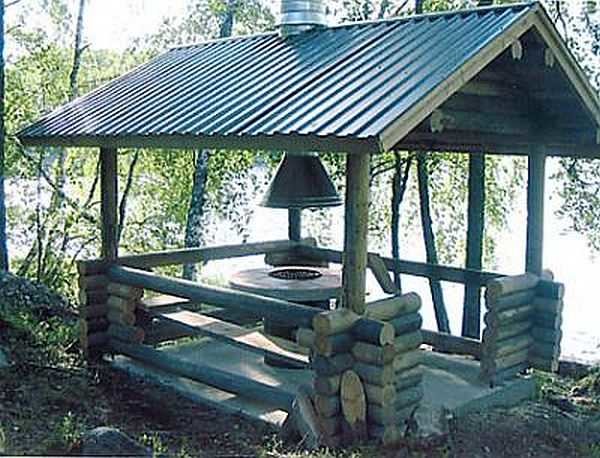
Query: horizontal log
406, 361
550, 290
448, 343
124, 305
383, 415
375, 375
408, 397
334, 321
408, 379
125, 292
380, 395
407, 323
408, 342
498, 377
386, 435
446, 119
331, 345
327, 406
92, 282
226, 381
546, 335
374, 332
510, 301
417, 269
92, 267
545, 305
505, 317
507, 331
513, 284
381, 274
305, 337
543, 364
93, 311
120, 317
93, 325
129, 334
89, 298
506, 361
545, 351
547, 320
393, 307
327, 385
334, 365
273, 309
373, 354
98, 339
499, 348
163, 303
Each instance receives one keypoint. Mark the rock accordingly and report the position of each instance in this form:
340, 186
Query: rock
111, 442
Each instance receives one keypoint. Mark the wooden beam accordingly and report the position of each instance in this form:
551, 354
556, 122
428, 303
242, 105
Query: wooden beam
109, 202
470, 121
535, 211
356, 229
452, 344
295, 224
208, 375
274, 309
476, 215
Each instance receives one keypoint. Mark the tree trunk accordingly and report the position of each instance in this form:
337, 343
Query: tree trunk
399, 183
193, 228
3, 242
436, 288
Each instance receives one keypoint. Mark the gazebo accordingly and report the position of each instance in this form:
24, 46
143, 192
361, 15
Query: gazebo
495, 80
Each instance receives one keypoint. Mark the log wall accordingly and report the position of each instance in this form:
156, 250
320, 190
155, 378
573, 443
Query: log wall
93, 311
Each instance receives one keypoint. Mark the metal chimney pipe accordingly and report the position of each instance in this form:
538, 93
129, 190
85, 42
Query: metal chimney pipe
299, 16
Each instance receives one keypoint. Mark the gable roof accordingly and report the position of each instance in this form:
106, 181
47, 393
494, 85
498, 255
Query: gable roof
357, 87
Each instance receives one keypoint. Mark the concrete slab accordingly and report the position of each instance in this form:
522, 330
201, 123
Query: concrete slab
451, 383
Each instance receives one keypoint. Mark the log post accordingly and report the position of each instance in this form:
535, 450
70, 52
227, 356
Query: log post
295, 224
535, 211
109, 204
476, 215
356, 228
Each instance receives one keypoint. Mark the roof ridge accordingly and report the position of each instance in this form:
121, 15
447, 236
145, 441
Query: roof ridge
407, 18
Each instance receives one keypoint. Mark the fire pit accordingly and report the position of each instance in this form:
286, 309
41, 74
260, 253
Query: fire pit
295, 273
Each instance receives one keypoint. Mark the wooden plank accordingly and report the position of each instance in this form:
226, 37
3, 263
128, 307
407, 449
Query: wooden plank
208, 375
109, 202
355, 232
457, 120
471, 323
248, 339
163, 302
274, 309
452, 344
417, 269
535, 212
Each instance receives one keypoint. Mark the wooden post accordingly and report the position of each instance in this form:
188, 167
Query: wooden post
535, 211
295, 224
476, 216
356, 228
108, 186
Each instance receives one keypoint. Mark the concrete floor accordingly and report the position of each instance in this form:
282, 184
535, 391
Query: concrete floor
451, 384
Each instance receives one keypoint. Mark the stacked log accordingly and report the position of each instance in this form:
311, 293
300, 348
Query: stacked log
547, 321
121, 305
390, 369
507, 338
93, 320
331, 341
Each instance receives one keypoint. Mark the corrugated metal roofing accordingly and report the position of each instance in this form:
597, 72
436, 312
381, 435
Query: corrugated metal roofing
348, 82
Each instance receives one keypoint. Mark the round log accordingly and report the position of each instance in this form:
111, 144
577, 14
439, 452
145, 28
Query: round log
546, 335
327, 385
375, 375
334, 365
507, 285
120, 317
506, 331
545, 351
354, 405
506, 317
548, 320
408, 397
89, 298
409, 379
305, 337
406, 361
327, 406
334, 322
499, 348
504, 362
98, 339
407, 323
510, 301
92, 282
374, 332
382, 415
395, 307
545, 305
123, 305
124, 291
93, 325
373, 354
543, 364
334, 344
408, 342
498, 377
126, 333
550, 290
380, 395
93, 311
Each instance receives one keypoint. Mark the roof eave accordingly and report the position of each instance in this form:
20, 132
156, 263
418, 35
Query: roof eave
290, 143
